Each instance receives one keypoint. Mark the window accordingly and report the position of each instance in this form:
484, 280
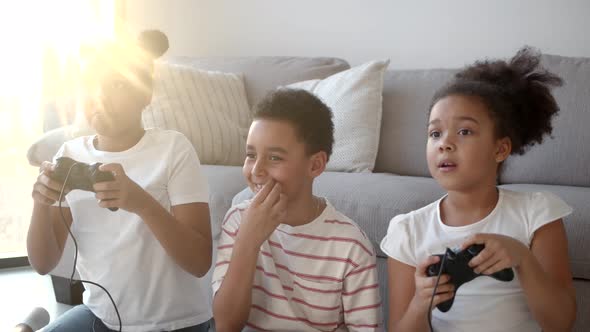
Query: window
29, 31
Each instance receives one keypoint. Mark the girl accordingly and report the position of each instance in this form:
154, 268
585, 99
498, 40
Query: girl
491, 110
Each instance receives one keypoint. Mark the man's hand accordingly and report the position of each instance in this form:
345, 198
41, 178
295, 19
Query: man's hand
46, 191
121, 193
267, 210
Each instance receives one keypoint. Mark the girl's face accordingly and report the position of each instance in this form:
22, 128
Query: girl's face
463, 152
113, 103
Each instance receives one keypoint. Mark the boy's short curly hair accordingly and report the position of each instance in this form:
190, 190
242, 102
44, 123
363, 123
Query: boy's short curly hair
516, 93
310, 117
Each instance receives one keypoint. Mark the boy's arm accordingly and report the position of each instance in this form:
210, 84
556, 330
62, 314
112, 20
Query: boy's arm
545, 276
360, 297
233, 299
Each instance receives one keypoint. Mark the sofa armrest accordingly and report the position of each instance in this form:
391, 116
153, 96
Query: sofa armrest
49, 143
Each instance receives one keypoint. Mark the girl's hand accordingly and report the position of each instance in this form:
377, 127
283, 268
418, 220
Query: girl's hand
121, 193
267, 210
45, 190
425, 287
500, 252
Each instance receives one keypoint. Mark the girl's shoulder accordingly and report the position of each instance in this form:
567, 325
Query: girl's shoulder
532, 201
421, 215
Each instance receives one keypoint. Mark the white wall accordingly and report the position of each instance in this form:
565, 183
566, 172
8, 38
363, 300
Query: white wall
412, 33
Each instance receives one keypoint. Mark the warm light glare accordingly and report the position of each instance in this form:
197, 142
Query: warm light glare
39, 41
33, 30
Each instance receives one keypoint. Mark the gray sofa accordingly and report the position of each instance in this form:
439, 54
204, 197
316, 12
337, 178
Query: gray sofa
401, 182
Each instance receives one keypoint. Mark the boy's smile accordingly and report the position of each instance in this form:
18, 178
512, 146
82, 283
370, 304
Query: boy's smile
274, 151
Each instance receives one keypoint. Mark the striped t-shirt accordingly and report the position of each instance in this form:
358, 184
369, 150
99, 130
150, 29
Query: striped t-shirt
320, 276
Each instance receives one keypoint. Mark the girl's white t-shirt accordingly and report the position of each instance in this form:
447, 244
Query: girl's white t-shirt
118, 250
483, 304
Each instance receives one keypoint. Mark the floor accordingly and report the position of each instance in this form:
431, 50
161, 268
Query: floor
21, 290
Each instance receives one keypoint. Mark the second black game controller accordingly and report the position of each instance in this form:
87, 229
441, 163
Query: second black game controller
457, 267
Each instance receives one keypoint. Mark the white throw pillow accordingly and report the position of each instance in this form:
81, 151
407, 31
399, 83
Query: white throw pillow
355, 97
210, 108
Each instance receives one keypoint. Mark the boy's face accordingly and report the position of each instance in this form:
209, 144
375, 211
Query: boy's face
113, 98
273, 151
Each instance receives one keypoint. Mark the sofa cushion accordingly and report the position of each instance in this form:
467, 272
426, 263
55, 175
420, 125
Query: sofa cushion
209, 107
553, 161
265, 73
406, 97
355, 97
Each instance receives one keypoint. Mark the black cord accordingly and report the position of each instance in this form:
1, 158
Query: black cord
72, 280
442, 264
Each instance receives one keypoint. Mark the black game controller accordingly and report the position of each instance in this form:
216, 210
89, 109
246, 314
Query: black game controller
457, 268
82, 176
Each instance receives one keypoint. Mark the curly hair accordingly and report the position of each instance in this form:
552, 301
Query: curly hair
516, 93
311, 118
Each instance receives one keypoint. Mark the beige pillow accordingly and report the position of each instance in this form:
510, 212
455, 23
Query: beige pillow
355, 97
210, 108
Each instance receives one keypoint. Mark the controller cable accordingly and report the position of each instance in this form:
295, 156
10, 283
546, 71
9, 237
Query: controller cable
442, 264
72, 280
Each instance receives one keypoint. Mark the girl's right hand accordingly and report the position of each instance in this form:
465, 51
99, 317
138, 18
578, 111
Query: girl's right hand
45, 190
425, 287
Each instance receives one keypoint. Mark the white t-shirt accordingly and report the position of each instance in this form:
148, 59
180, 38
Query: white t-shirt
483, 304
320, 276
118, 251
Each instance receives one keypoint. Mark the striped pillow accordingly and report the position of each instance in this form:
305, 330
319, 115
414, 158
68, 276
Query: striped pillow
210, 108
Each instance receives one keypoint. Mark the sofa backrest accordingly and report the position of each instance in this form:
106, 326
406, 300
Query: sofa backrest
561, 160
406, 97
265, 73
565, 159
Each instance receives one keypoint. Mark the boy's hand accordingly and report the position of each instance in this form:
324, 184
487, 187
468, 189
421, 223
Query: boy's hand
267, 210
425, 287
46, 190
121, 193
500, 252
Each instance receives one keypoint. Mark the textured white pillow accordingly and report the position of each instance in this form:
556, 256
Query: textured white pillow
210, 108
355, 97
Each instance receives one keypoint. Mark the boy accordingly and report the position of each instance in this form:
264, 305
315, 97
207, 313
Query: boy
149, 253
287, 260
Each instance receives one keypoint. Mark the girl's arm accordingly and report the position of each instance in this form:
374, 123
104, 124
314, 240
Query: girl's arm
47, 233
546, 278
410, 291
